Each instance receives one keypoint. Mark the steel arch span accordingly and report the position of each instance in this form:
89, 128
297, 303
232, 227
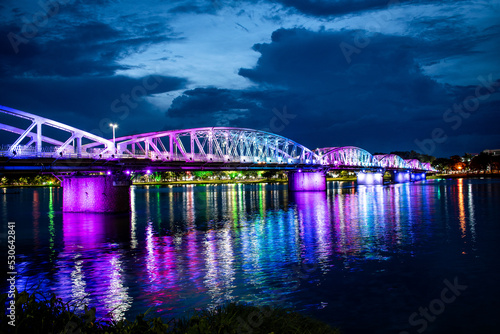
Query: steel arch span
428, 167
415, 164
199, 148
347, 157
30, 143
216, 145
392, 161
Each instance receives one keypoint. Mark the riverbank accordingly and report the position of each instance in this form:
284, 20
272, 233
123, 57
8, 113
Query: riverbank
269, 181
200, 182
41, 313
29, 185
464, 176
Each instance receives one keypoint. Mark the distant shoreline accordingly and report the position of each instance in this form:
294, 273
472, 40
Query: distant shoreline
464, 176
232, 181
201, 182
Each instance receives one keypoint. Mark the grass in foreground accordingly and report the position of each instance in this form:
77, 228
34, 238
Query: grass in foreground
38, 313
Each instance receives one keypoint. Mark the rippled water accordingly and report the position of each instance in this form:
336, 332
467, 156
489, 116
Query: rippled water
361, 258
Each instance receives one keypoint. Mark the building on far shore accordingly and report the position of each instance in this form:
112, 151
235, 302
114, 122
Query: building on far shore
493, 152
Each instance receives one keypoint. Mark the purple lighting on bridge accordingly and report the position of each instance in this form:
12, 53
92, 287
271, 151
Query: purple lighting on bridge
370, 178
95, 194
308, 181
417, 176
401, 177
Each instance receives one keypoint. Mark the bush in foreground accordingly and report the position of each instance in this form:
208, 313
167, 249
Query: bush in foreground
38, 313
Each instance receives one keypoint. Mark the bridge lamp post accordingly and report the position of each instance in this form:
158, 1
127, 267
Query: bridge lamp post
114, 126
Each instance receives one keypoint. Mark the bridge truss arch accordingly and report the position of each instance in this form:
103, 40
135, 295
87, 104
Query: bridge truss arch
30, 140
428, 167
415, 164
347, 157
216, 144
392, 161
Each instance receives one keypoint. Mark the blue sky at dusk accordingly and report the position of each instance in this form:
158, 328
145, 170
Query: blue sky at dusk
381, 75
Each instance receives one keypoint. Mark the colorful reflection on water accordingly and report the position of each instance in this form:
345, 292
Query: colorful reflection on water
195, 247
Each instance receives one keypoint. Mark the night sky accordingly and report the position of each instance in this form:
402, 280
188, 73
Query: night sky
381, 75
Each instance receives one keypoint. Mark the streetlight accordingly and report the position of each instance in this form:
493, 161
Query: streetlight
114, 126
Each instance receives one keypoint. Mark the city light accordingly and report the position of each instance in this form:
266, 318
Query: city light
114, 126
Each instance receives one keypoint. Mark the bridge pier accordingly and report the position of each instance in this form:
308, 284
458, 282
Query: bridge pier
96, 193
400, 176
375, 178
306, 181
417, 176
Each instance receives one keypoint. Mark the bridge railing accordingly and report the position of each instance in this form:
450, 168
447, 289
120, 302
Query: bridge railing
97, 153
30, 151
26, 152
212, 158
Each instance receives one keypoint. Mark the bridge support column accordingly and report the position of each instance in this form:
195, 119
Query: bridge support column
400, 176
306, 181
417, 176
101, 193
374, 178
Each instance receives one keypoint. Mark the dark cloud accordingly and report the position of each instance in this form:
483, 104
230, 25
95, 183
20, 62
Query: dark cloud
212, 106
205, 101
85, 102
91, 48
340, 7
327, 7
380, 101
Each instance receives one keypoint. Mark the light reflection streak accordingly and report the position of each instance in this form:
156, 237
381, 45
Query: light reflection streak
97, 268
148, 203
211, 275
226, 254
52, 231
78, 284
472, 219
116, 299
189, 205
151, 263
171, 206
193, 262
461, 207
133, 219
241, 203
4, 205
36, 217
315, 227
158, 207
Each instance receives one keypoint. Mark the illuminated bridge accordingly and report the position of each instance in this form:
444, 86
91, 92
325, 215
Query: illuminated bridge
38, 144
